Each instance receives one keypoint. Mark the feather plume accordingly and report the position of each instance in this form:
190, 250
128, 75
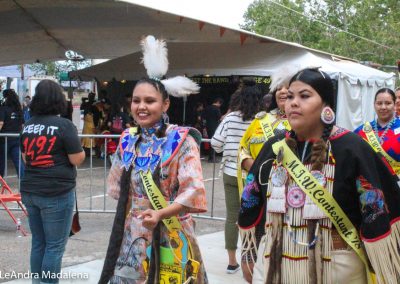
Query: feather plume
155, 57
282, 76
180, 86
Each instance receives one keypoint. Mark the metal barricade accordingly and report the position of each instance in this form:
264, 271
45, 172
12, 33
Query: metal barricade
92, 179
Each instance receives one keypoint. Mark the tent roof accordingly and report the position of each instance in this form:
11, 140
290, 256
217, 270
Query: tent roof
227, 58
42, 30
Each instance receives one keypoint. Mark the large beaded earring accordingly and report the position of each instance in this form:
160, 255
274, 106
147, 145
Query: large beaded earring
327, 115
165, 118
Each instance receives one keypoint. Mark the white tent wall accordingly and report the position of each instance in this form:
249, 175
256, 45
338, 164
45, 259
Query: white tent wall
357, 83
356, 101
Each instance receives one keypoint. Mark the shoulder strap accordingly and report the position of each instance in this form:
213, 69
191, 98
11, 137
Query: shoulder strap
373, 141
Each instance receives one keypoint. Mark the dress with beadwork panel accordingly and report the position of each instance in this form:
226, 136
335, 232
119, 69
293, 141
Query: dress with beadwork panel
178, 174
362, 186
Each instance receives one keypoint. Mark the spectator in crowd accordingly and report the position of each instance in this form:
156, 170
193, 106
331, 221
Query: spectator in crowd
69, 110
383, 133
397, 104
11, 121
25, 108
197, 121
267, 100
226, 139
119, 120
90, 120
211, 118
51, 150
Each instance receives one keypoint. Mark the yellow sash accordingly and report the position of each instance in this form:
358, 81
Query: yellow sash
373, 141
158, 201
266, 127
321, 197
171, 265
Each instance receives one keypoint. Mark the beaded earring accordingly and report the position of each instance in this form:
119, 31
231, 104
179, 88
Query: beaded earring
165, 118
327, 115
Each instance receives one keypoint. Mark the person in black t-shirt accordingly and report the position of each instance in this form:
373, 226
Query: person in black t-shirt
212, 117
51, 150
11, 121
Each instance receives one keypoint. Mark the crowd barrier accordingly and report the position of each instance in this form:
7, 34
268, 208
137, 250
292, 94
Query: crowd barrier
92, 177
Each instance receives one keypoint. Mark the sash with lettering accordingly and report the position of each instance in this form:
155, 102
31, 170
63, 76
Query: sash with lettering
176, 263
322, 198
373, 141
268, 132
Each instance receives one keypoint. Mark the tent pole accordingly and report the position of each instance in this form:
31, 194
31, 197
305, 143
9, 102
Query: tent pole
184, 109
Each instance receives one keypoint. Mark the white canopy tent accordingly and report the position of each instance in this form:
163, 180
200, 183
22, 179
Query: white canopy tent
41, 30
357, 83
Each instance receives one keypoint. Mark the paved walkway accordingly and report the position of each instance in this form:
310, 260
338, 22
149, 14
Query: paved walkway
213, 252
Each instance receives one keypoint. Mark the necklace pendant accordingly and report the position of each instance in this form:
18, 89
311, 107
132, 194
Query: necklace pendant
279, 176
320, 177
295, 197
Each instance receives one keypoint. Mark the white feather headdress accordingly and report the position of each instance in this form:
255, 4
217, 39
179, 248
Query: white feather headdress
282, 76
155, 60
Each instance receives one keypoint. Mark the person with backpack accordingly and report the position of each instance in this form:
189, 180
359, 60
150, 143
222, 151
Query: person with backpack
119, 120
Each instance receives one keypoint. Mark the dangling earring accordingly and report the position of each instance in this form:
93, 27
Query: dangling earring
327, 115
165, 118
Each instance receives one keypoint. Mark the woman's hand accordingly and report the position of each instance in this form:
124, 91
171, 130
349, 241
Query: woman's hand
150, 218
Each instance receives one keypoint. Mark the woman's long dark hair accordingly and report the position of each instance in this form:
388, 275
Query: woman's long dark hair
12, 101
49, 99
117, 232
251, 99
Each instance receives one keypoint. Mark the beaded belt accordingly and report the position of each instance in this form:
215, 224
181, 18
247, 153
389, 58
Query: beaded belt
338, 242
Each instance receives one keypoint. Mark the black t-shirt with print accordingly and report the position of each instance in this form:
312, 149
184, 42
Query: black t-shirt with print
12, 120
46, 142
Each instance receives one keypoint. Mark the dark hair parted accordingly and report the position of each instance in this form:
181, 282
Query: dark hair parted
156, 84
49, 99
161, 89
319, 81
251, 95
385, 90
12, 101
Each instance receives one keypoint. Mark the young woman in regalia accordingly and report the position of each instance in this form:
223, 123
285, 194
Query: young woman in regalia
157, 178
329, 202
383, 133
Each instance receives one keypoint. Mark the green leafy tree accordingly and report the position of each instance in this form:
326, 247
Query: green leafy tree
54, 68
350, 28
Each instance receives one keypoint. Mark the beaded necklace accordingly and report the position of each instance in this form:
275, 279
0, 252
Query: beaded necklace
387, 127
292, 234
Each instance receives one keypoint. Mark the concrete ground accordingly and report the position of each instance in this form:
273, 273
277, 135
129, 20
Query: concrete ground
90, 244
212, 248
